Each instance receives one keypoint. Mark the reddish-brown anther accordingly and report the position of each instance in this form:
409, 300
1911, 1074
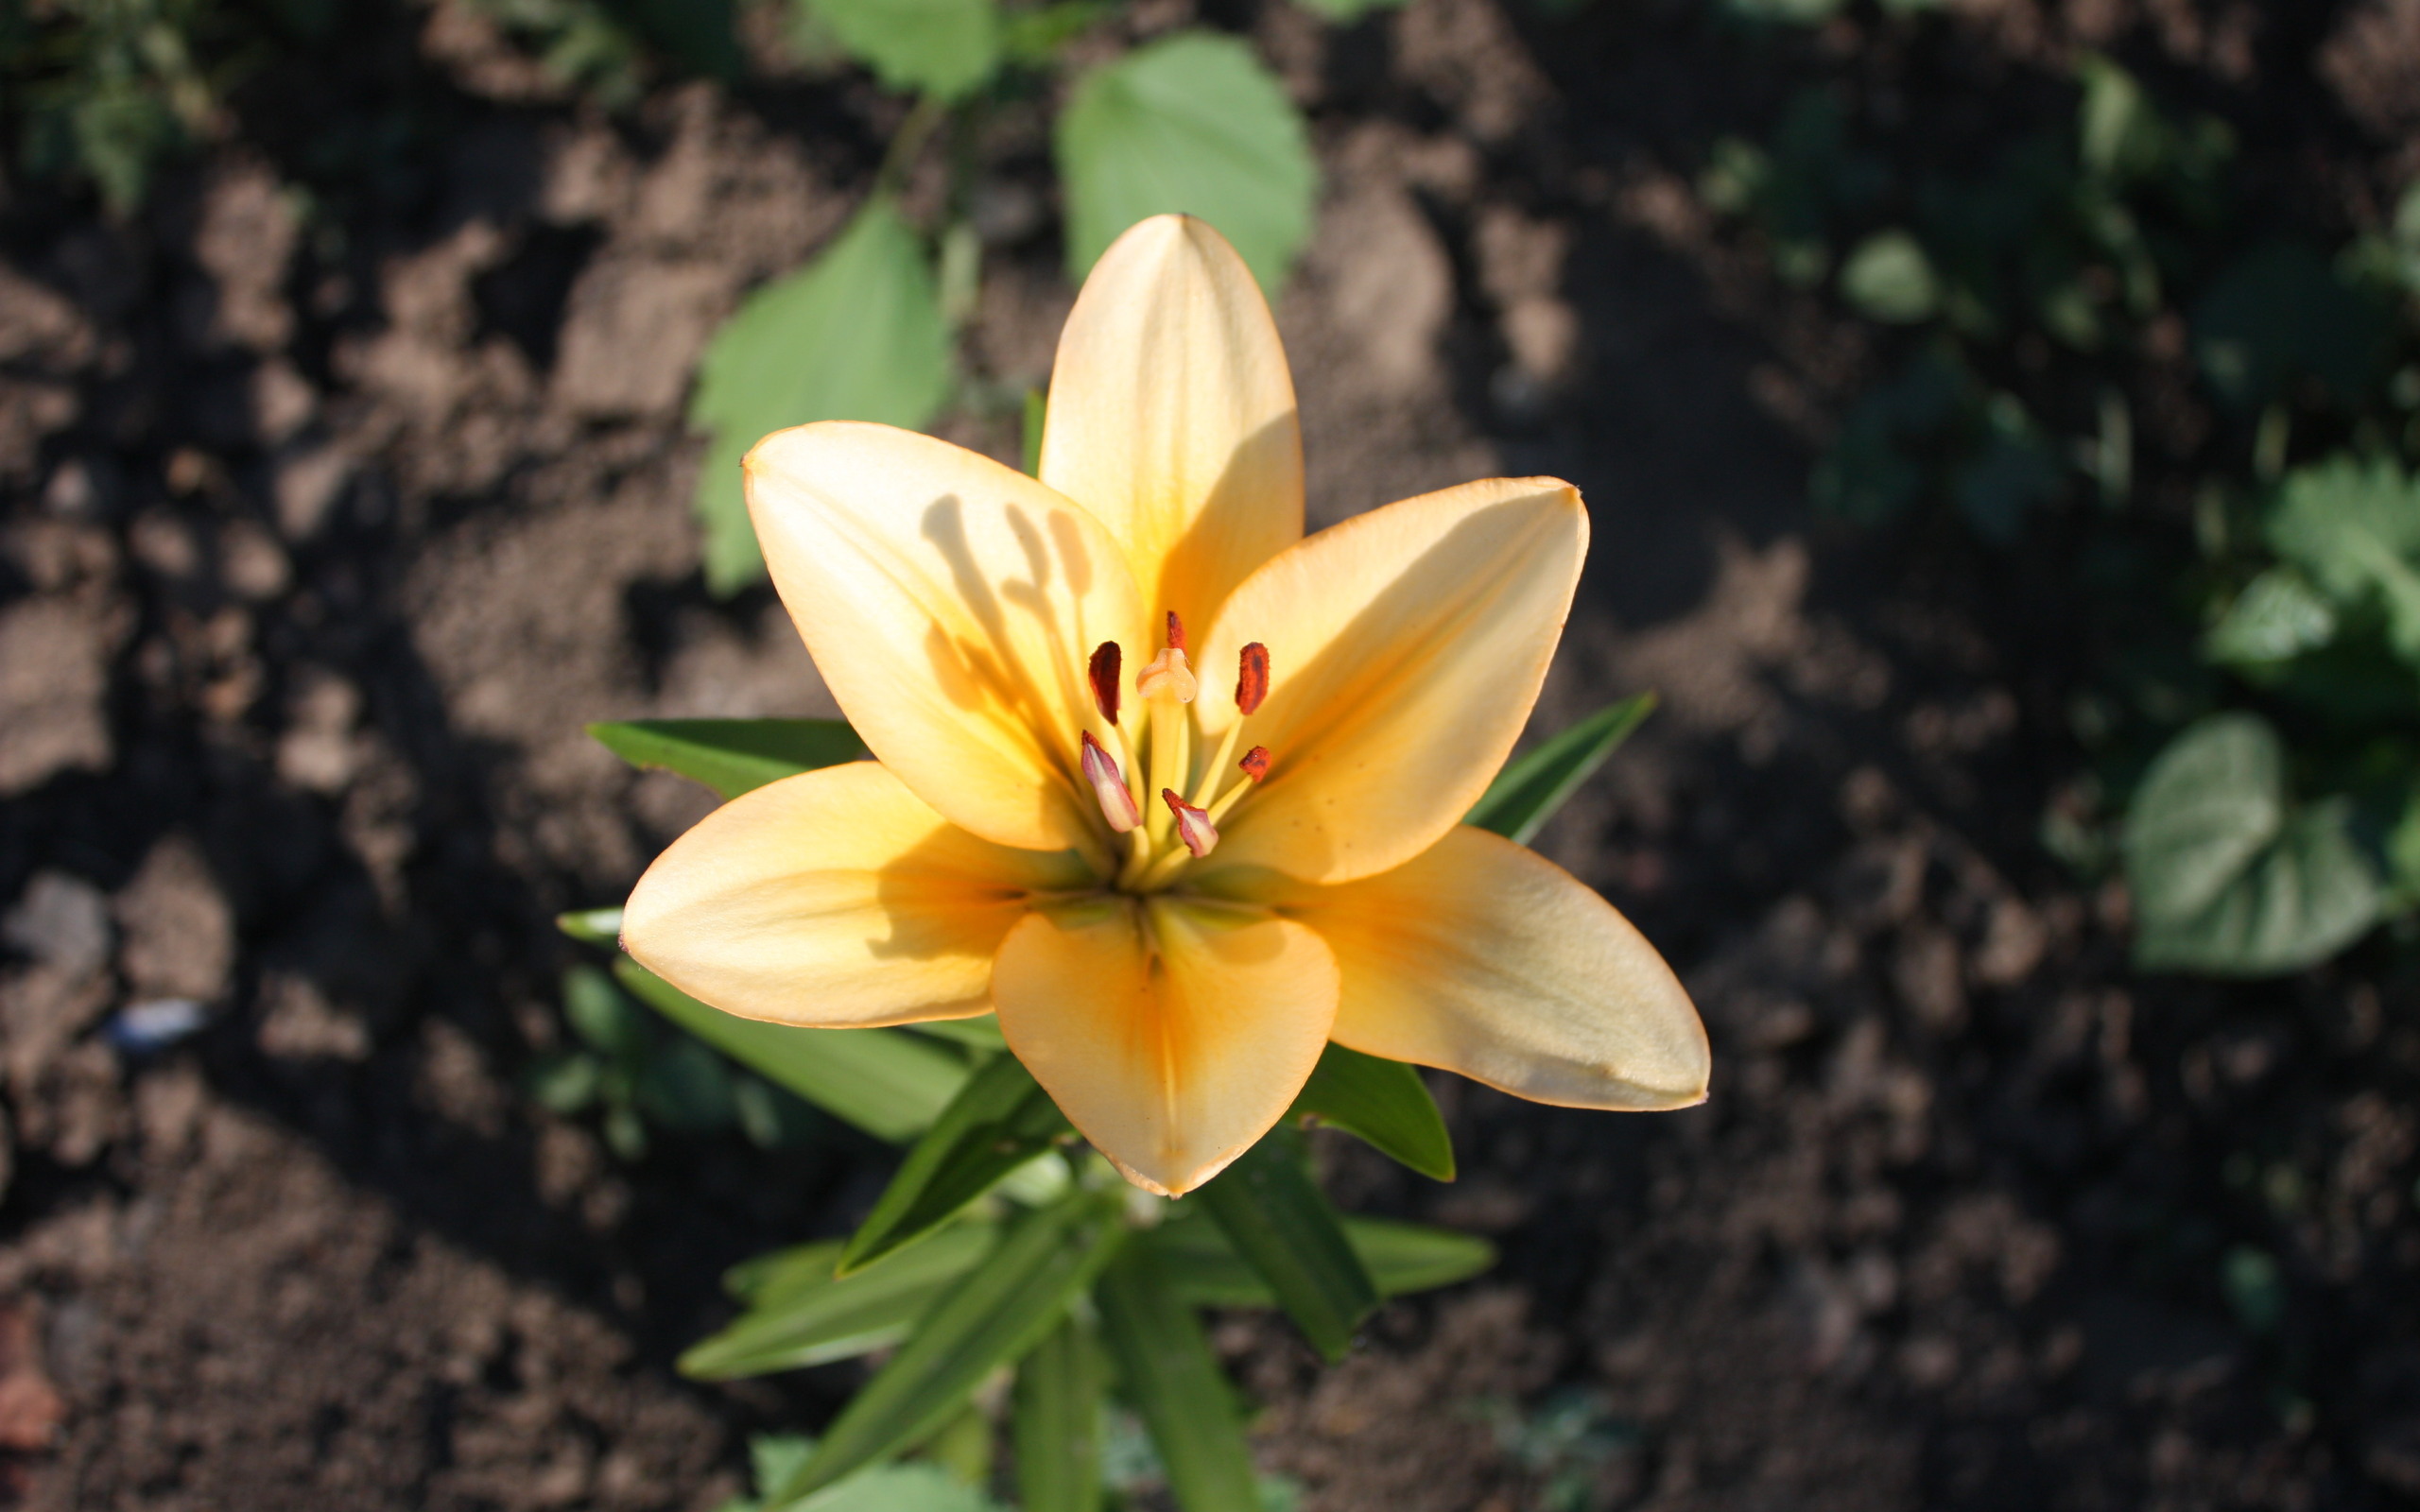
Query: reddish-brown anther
1256, 762
1251, 678
1176, 631
1107, 659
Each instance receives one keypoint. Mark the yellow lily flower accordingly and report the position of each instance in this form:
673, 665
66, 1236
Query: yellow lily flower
1176, 869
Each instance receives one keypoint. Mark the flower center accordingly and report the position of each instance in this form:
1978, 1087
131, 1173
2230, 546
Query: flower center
1159, 756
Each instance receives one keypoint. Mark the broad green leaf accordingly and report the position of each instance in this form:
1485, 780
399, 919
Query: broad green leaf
1527, 793
1888, 278
891, 1084
2227, 878
1192, 123
731, 756
2277, 617
1171, 1377
856, 335
878, 1488
592, 926
1000, 1119
2356, 530
1401, 1258
799, 1314
944, 48
1054, 1419
1383, 1103
1279, 1220
994, 1313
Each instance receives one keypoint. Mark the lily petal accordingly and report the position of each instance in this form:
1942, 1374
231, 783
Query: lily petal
1485, 958
835, 899
1172, 418
1172, 1033
1407, 646
950, 604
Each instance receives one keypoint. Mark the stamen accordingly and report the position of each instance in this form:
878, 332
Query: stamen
1251, 678
1103, 672
1176, 632
1167, 676
1109, 787
1256, 762
1193, 825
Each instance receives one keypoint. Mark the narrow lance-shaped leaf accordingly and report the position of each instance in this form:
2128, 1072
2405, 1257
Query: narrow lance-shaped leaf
1055, 1420
997, 1313
1204, 1268
999, 1119
800, 1313
857, 335
731, 756
1527, 793
1168, 1373
1383, 1103
891, 1084
1280, 1222
592, 926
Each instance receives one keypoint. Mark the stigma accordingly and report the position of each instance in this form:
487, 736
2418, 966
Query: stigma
1166, 678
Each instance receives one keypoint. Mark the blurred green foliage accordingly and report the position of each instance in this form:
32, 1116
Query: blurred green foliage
103, 88
2266, 743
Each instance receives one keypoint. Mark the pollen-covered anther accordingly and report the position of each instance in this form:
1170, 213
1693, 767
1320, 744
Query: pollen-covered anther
1256, 762
1193, 825
1102, 671
1109, 787
1251, 678
1167, 676
1176, 631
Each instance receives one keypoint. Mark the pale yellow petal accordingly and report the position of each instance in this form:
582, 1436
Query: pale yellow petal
834, 899
1486, 959
1172, 414
950, 604
1173, 1034
1406, 646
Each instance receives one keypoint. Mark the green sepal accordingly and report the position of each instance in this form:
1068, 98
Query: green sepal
1286, 1228
1054, 1420
998, 1121
891, 1084
1401, 1258
1168, 1374
1527, 793
994, 1315
799, 1314
1382, 1103
731, 756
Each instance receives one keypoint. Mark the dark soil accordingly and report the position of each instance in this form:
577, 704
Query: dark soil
328, 522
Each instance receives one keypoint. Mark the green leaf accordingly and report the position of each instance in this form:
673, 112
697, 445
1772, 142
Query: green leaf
2277, 617
684, 1086
1527, 793
731, 756
607, 1022
1401, 1258
798, 1314
944, 48
994, 1315
1889, 277
856, 335
1055, 1420
1345, 12
891, 1084
981, 1033
1279, 1220
564, 1082
1192, 123
2356, 530
1037, 410
878, 1488
592, 926
1383, 1103
2227, 878
2280, 313
999, 1119
1169, 1375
